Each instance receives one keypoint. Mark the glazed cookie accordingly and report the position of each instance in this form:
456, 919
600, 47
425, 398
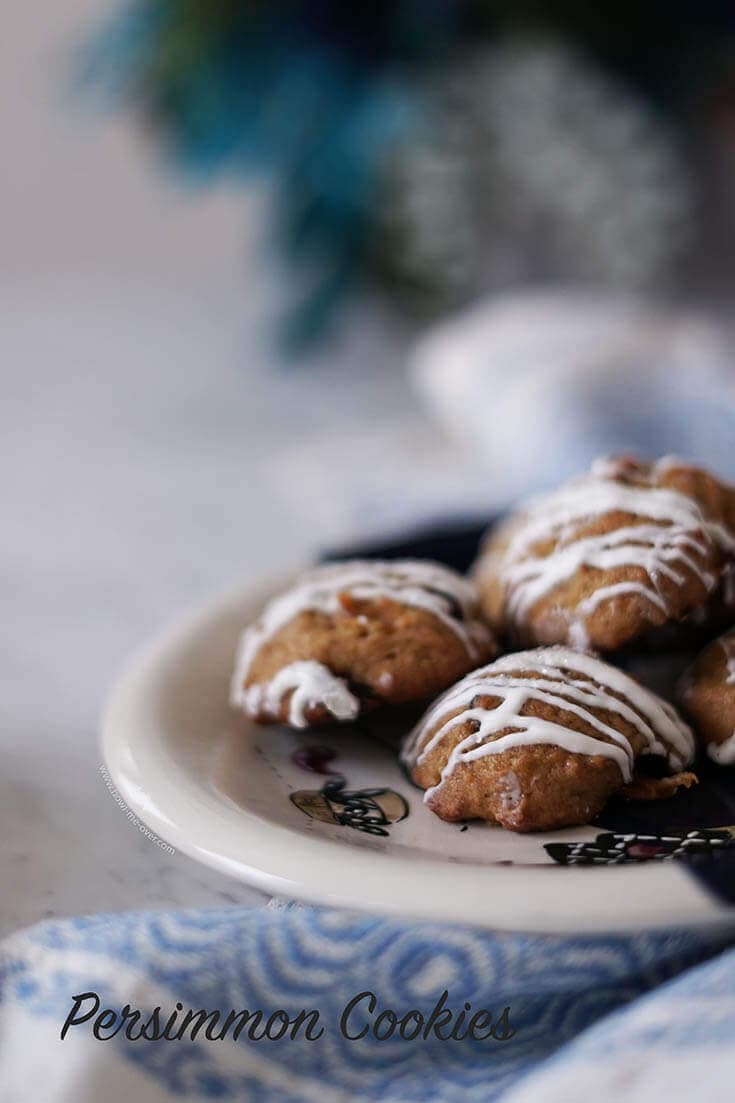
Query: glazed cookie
542, 739
707, 696
350, 636
630, 547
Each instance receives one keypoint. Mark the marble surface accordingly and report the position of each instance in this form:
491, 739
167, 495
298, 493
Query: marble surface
151, 457
152, 452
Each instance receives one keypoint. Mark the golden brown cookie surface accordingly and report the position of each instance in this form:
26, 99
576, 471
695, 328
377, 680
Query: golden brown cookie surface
540, 739
350, 636
629, 547
707, 695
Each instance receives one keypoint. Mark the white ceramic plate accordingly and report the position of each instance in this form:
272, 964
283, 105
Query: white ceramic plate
220, 789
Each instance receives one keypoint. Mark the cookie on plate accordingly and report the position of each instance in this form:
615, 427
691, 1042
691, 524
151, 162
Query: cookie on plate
707, 696
630, 547
350, 636
542, 739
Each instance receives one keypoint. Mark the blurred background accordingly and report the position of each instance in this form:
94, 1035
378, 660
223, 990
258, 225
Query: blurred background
279, 275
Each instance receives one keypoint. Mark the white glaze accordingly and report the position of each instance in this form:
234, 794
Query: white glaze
723, 753
509, 790
311, 682
727, 643
418, 583
568, 680
674, 536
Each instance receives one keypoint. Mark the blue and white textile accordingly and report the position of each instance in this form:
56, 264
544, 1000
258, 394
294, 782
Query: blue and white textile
668, 1039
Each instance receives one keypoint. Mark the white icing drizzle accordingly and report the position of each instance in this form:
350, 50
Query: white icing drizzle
418, 583
509, 790
723, 753
673, 535
311, 682
728, 586
727, 643
568, 680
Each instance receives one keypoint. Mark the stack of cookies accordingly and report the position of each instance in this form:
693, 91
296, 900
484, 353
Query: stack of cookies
631, 555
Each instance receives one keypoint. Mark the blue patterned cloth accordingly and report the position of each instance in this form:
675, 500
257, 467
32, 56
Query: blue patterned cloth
298, 959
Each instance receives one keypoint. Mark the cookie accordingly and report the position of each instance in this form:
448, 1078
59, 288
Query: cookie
542, 739
626, 549
351, 636
707, 695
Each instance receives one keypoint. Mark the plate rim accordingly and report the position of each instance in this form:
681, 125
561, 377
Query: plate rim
318, 870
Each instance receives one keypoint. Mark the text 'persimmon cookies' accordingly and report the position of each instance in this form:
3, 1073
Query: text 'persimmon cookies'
707, 696
350, 636
629, 547
542, 739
